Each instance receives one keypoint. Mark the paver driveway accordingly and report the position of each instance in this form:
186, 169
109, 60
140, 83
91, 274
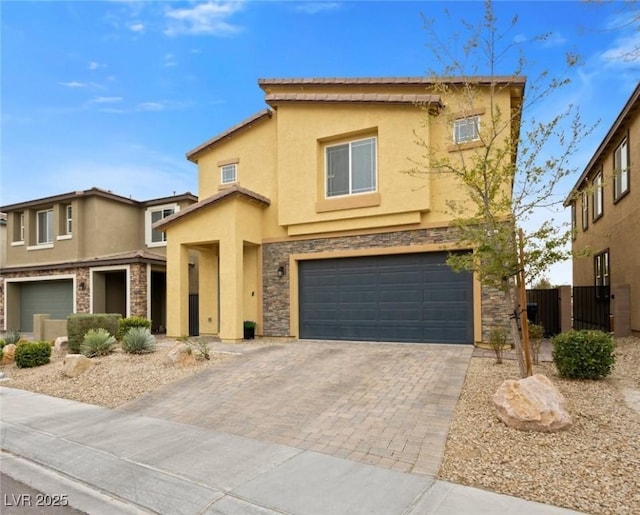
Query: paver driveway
384, 404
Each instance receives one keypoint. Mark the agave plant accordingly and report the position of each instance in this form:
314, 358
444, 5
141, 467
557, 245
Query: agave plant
138, 340
97, 342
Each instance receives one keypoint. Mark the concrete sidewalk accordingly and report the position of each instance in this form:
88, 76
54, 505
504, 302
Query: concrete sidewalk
107, 461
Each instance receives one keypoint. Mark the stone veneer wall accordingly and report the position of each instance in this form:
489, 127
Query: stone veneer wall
276, 302
83, 302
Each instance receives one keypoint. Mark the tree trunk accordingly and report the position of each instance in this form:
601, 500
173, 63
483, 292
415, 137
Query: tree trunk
510, 296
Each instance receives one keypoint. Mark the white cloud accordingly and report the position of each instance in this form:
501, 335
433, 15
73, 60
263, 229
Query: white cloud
105, 100
317, 7
94, 65
137, 27
73, 84
208, 18
152, 106
626, 50
169, 60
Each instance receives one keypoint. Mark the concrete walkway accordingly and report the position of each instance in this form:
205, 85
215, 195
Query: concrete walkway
107, 461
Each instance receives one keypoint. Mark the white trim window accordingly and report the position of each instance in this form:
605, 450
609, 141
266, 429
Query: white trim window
153, 237
18, 228
585, 210
229, 173
68, 212
351, 168
598, 196
621, 170
44, 227
601, 269
466, 129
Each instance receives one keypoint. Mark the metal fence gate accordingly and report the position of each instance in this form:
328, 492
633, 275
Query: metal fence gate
591, 307
543, 307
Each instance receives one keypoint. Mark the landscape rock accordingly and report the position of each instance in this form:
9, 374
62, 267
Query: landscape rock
180, 355
532, 404
9, 354
76, 364
61, 344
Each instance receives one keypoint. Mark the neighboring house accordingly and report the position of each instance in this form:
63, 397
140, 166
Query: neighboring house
308, 225
87, 252
606, 218
3, 239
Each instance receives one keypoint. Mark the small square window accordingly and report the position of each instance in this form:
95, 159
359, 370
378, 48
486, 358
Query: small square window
155, 238
229, 173
466, 129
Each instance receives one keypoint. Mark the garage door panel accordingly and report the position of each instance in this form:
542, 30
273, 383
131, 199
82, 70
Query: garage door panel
54, 298
407, 297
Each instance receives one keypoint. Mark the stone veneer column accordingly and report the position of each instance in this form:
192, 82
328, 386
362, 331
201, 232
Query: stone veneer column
138, 296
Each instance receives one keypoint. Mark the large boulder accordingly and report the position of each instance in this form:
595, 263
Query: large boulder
8, 354
532, 404
76, 364
180, 355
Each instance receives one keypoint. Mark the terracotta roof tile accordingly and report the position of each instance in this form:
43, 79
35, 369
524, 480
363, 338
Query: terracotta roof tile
229, 192
375, 98
192, 154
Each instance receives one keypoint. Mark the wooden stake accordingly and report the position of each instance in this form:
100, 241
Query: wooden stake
523, 304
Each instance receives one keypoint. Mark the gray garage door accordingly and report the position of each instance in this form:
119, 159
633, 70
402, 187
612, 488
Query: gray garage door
398, 298
52, 297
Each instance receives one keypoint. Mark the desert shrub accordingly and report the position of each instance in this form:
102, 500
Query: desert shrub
2, 343
97, 342
202, 346
536, 334
79, 324
584, 354
11, 337
138, 340
32, 354
124, 324
498, 341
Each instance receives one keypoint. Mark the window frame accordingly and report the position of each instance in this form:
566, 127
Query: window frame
574, 221
598, 196
68, 225
17, 237
374, 172
602, 273
621, 153
49, 227
584, 204
457, 125
234, 166
149, 231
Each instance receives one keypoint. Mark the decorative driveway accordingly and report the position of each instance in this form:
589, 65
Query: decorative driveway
384, 404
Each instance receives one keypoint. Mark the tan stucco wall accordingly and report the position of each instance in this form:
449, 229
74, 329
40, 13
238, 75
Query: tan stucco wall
616, 230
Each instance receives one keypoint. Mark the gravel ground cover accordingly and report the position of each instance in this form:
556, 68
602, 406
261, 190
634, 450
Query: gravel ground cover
114, 380
593, 467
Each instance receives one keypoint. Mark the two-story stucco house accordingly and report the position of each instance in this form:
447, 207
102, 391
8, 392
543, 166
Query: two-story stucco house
309, 224
88, 252
605, 212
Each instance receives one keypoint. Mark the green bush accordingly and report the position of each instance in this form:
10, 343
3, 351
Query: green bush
80, 324
2, 343
584, 354
124, 324
32, 354
498, 342
97, 342
138, 340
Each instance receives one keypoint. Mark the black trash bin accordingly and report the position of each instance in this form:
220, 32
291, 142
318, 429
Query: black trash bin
532, 312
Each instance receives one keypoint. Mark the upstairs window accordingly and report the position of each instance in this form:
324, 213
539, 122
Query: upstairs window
229, 173
466, 129
574, 222
155, 238
44, 227
69, 218
621, 170
18, 227
585, 211
597, 196
351, 167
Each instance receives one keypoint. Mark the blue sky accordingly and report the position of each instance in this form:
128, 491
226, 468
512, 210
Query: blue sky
113, 93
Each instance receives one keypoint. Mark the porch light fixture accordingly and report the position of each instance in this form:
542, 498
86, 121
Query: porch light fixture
281, 271
81, 286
